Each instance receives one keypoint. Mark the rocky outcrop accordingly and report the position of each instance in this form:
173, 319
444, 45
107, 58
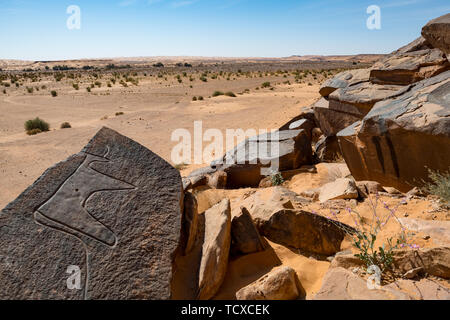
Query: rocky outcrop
332, 121
111, 214
327, 149
437, 33
434, 261
399, 138
245, 238
216, 249
344, 80
342, 284
409, 67
278, 219
278, 284
439, 231
257, 157
190, 221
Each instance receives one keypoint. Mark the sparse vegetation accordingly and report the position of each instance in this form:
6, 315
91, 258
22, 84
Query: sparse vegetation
76, 86
54, 93
230, 94
277, 179
265, 85
217, 93
65, 125
439, 186
36, 126
119, 113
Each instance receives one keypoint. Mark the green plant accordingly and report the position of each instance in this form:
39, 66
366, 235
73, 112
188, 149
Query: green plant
88, 89
200, 98
265, 85
35, 124
217, 93
30, 90
54, 93
277, 179
439, 185
33, 132
230, 94
366, 233
76, 86
65, 125
181, 166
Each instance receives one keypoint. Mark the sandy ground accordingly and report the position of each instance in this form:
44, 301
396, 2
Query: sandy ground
152, 111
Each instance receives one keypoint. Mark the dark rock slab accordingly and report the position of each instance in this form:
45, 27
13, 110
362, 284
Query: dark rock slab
114, 211
400, 137
437, 33
255, 158
245, 238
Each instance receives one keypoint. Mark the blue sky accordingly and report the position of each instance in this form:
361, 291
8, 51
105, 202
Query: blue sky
36, 30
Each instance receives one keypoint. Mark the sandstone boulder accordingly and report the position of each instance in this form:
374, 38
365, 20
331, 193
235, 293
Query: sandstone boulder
400, 137
437, 33
190, 221
216, 249
332, 121
439, 231
112, 212
342, 188
261, 156
342, 284
245, 238
306, 114
278, 284
366, 188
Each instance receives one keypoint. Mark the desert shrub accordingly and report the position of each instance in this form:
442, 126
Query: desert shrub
76, 86
439, 185
54, 93
217, 93
180, 166
88, 89
194, 99
36, 124
6, 84
265, 85
33, 132
119, 114
109, 85
200, 98
65, 125
277, 179
98, 83
44, 87
4, 91
30, 90
202, 78
230, 94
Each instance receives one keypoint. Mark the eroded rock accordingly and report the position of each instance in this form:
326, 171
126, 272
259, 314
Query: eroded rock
113, 212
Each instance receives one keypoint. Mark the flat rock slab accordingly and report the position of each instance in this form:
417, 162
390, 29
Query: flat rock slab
103, 224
